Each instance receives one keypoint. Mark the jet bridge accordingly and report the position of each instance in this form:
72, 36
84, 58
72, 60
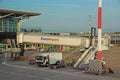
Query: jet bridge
82, 42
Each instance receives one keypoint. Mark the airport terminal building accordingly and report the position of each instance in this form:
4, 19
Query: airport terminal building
11, 34
10, 23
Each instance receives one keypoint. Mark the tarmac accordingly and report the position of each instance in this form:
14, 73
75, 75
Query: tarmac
112, 58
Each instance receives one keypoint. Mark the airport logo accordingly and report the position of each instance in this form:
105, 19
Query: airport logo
49, 39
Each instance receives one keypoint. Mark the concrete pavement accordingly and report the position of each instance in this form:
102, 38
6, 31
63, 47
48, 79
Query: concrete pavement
13, 72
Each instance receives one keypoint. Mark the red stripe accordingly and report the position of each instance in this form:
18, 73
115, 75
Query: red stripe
99, 17
99, 57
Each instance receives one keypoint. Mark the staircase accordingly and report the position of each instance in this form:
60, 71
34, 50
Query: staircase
85, 57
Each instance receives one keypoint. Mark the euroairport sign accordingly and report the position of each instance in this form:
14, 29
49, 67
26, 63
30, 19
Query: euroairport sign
49, 39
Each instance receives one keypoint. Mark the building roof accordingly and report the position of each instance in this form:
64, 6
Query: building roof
17, 13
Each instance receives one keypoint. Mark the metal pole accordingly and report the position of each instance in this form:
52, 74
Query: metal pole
99, 57
5, 58
89, 24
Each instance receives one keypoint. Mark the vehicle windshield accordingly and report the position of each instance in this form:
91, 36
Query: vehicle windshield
39, 57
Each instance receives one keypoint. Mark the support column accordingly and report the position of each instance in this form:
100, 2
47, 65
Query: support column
18, 26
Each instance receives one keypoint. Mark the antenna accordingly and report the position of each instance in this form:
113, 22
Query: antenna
89, 24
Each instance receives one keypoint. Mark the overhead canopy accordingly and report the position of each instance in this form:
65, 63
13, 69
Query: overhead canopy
17, 13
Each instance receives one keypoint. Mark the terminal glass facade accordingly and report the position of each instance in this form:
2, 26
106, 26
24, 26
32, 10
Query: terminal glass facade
8, 24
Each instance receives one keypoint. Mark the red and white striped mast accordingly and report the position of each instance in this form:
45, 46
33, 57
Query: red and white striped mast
99, 54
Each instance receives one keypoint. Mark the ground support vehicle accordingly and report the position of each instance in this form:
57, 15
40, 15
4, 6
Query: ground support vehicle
51, 59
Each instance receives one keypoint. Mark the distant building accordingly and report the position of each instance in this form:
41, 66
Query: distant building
115, 38
64, 34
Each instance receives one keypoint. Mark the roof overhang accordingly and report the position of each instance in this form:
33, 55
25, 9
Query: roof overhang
14, 13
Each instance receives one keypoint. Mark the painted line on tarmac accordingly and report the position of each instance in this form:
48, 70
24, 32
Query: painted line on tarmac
33, 68
4, 72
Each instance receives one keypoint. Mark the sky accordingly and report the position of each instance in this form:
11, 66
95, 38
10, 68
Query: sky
67, 15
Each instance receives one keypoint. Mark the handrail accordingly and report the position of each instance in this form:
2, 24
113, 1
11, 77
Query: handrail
82, 57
